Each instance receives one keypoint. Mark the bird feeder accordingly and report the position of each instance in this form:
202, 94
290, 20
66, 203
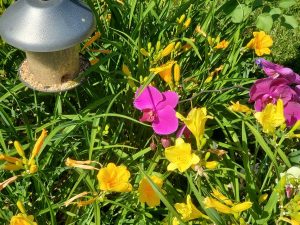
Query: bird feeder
49, 31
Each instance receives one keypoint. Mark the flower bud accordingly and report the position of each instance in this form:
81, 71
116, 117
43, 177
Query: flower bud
165, 141
19, 149
144, 52
167, 50
157, 47
187, 23
176, 73
153, 146
181, 19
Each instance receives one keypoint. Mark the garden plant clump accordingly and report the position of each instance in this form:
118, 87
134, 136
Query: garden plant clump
186, 115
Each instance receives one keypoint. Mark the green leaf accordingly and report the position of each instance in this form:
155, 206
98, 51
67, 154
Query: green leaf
264, 22
240, 13
294, 157
262, 144
291, 20
286, 3
275, 11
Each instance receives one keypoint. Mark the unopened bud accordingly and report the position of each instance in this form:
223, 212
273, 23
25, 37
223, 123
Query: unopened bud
167, 50
157, 47
165, 141
187, 23
176, 73
144, 52
153, 146
181, 19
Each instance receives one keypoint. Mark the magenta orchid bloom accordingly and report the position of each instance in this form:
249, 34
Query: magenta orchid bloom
158, 109
278, 71
269, 90
292, 113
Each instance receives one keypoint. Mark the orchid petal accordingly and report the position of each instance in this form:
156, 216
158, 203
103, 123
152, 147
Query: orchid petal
148, 99
166, 121
259, 88
292, 113
170, 98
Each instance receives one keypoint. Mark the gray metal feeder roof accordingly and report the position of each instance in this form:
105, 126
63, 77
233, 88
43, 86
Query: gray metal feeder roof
46, 25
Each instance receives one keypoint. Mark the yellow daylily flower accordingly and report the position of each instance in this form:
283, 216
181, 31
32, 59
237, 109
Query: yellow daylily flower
180, 156
222, 197
240, 207
14, 164
213, 203
237, 107
222, 45
80, 164
189, 211
195, 122
114, 178
146, 192
260, 43
22, 218
271, 116
224, 205
164, 71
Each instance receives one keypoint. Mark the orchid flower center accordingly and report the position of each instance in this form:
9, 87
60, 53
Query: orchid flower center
149, 115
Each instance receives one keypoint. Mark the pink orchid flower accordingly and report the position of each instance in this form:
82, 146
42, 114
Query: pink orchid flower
158, 109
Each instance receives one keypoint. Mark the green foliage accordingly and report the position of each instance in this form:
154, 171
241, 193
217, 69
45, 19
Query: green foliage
97, 120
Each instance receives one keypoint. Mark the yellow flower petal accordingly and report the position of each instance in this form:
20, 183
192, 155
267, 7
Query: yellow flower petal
211, 164
260, 43
188, 211
195, 121
11, 166
271, 116
222, 45
237, 107
147, 193
241, 207
22, 219
180, 156
10, 159
114, 178
164, 71
222, 197
213, 203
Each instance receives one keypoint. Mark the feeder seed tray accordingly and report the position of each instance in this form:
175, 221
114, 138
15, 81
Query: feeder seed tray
67, 83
